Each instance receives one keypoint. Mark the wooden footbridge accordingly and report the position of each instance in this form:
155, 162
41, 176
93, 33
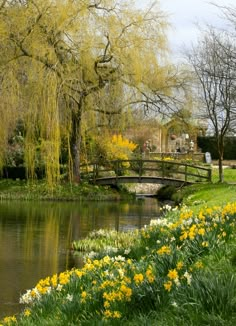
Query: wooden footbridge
145, 171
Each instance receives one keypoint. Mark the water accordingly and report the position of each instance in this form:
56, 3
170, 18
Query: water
35, 238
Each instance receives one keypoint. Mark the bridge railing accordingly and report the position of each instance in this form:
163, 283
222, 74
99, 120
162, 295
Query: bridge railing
152, 168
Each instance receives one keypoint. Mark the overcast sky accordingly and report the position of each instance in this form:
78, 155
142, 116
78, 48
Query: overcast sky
183, 16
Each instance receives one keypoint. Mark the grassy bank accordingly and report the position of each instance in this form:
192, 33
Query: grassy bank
200, 195
38, 190
196, 196
178, 271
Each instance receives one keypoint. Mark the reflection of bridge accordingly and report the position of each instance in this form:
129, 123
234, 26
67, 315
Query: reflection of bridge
146, 171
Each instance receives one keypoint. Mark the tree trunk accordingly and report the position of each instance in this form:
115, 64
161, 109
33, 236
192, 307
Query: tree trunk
221, 157
75, 142
221, 170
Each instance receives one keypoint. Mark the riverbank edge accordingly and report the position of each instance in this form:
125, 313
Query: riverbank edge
39, 191
194, 195
149, 318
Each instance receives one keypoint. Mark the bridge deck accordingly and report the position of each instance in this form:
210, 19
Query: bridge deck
147, 171
143, 179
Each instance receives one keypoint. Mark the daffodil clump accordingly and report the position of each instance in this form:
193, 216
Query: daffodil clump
166, 267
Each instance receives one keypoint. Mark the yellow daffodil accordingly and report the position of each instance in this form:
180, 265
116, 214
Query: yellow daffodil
138, 278
164, 250
168, 286
27, 312
173, 274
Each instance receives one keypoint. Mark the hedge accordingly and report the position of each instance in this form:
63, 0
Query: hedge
208, 144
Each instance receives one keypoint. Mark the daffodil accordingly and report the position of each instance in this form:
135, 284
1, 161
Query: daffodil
173, 274
27, 312
179, 265
168, 286
116, 314
164, 250
138, 278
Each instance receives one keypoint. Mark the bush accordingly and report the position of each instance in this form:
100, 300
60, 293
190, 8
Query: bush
166, 192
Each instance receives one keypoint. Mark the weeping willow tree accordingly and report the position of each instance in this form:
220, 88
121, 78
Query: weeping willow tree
69, 65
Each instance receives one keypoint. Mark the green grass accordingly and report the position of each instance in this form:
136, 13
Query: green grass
208, 195
228, 172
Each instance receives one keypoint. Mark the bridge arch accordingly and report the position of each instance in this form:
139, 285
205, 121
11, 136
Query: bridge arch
146, 171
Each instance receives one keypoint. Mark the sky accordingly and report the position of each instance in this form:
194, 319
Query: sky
184, 16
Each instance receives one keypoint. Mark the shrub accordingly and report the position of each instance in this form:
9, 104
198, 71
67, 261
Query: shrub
166, 192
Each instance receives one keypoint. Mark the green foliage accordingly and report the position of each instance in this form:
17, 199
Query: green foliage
23, 190
15, 151
166, 192
211, 294
104, 240
208, 144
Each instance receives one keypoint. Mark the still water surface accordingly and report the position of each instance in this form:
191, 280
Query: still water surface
35, 238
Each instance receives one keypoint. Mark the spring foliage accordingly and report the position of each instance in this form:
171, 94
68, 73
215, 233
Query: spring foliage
69, 66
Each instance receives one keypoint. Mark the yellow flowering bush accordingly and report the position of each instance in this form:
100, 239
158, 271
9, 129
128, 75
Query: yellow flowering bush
116, 147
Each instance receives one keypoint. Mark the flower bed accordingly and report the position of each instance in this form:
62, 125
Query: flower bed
181, 266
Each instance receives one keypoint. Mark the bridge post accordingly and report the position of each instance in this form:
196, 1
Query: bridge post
95, 172
162, 169
117, 169
186, 173
209, 175
140, 168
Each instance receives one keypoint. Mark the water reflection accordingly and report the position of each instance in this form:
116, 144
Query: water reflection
35, 238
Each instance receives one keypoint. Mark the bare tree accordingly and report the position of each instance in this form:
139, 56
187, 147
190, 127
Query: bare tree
211, 60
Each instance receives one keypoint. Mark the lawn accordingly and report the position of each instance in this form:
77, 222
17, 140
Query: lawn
199, 195
229, 174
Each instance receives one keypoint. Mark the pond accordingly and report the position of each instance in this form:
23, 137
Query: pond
35, 238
